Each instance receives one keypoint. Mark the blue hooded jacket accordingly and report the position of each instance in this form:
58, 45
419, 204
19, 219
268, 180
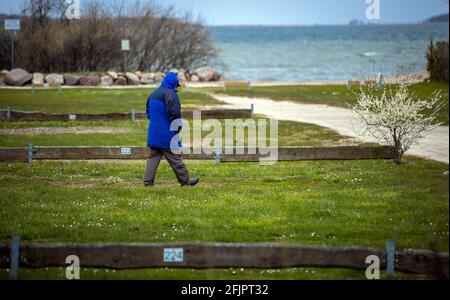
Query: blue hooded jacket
164, 109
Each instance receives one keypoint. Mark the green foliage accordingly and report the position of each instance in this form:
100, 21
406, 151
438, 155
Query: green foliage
91, 100
129, 133
340, 203
337, 95
437, 60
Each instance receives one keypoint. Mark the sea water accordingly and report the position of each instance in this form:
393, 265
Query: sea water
296, 53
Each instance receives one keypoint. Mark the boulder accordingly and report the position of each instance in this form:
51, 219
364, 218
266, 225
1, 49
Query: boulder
38, 79
159, 77
138, 74
120, 81
132, 79
207, 74
54, 78
106, 81
90, 80
71, 79
2, 77
182, 78
18, 77
148, 78
113, 75
194, 78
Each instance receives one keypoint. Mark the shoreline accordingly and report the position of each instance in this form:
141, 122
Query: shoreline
405, 78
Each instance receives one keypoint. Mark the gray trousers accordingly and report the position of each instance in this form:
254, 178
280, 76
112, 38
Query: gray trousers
174, 160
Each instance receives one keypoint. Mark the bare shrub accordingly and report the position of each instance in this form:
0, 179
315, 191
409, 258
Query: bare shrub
160, 38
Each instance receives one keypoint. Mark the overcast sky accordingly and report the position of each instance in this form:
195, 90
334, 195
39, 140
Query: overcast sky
298, 12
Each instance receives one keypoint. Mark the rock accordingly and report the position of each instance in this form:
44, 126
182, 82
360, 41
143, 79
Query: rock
72, 79
113, 75
138, 74
159, 77
120, 81
18, 77
106, 81
54, 78
188, 75
38, 79
148, 78
174, 70
207, 74
2, 77
194, 78
182, 78
90, 80
132, 79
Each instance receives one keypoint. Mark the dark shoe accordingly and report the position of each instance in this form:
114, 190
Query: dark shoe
192, 182
148, 184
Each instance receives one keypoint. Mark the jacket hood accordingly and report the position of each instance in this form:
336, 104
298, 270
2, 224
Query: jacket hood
170, 81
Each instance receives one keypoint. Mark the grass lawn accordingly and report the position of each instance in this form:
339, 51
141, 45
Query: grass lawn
91, 100
339, 203
128, 133
335, 95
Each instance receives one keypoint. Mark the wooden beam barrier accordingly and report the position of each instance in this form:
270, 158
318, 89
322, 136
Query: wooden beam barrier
21, 116
222, 255
284, 153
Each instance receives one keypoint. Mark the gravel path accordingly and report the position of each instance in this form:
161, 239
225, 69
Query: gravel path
435, 145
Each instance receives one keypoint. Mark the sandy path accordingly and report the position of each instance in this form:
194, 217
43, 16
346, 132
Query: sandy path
435, 145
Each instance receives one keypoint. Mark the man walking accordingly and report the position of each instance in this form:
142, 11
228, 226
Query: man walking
164, 114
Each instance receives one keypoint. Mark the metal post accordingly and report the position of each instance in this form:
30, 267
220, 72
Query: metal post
124, 61
249, 85
218, 155
133, 114
252, 108
8, 113
390, 258
33, 89
380, 80
12, 50
14, 258
30, 153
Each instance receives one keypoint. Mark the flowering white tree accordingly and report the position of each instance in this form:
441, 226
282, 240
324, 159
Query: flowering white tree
394, 117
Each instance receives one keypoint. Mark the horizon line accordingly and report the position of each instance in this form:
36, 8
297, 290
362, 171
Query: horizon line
323, 24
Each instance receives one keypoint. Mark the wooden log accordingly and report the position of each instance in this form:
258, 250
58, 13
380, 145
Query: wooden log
13, 155
423, 262
21, 116
89, 153
220, 255
284, 153
195, 255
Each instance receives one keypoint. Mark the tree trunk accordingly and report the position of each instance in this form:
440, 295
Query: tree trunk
398, 153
